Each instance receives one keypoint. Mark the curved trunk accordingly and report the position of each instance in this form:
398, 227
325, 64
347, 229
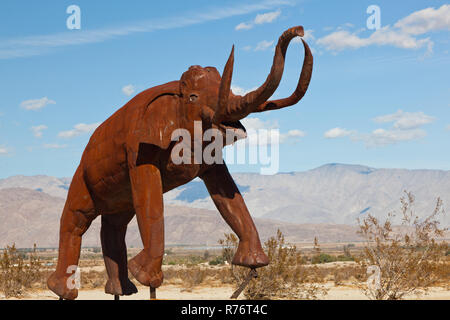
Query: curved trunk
299, 92
239, 107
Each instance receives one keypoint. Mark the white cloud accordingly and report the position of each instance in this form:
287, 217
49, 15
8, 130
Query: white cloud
251, 123
405, 126
54, 146
253, 127
342, 39
3, 151
256, 137
406, 120
267, 17
37, 130
426, 20
448, 128
243, 26
36, 104
401, 35
337, 133
79, 129
128, 89
263, 45
241, 91
36, 45
382, 137
292, 135
388, 36
261, 18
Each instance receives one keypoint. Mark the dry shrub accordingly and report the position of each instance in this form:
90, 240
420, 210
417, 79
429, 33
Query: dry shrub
93, 279
285, 277
442, 273
348, 274
189, 260
42, 280
192, 276
17, 272
338, 278
409, 260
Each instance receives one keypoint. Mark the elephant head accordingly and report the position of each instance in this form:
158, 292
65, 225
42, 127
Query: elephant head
208, 96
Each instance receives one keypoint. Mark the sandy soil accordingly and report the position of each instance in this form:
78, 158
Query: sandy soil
172, 292
165, 292
352, 293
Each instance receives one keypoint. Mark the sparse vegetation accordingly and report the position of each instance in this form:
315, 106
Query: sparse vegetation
188, 260
18, 271
284, 278
291, 274
93, 279
320, 257
216, 261
404, 260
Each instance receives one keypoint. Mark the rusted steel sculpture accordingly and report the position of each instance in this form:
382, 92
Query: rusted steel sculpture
127, 166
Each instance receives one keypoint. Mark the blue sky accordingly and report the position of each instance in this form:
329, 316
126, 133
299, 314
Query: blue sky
377, 97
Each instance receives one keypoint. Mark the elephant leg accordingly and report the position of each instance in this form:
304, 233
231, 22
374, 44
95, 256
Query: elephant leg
146, 187
114, 249
76, 218
231, 205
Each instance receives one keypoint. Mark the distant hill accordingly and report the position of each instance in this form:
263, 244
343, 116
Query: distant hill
332, 194
56, 187
29, 216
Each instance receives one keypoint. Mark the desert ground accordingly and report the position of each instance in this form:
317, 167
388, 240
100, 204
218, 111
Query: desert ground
173, 292
182, 265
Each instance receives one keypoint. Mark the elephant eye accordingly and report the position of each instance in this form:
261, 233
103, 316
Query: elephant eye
193, 97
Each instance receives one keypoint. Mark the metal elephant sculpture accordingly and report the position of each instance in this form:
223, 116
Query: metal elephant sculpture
127, 167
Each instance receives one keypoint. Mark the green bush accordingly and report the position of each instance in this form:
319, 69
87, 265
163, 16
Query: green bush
344, 258
323, 258
216, 261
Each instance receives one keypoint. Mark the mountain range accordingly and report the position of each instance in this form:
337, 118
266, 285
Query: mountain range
333, 193
29, 216
303, 204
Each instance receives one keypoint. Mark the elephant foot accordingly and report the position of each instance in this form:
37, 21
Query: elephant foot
120, 288
146, 270
59, 285
250, 254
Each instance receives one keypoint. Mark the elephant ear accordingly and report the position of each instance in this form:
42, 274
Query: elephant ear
155, 118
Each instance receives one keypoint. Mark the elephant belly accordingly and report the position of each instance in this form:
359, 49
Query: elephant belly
176, 175
120, 202
110, 187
